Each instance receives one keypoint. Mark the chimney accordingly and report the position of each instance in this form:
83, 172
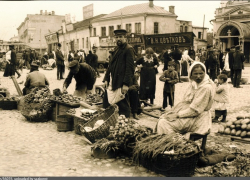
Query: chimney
41, 12
171, 9
45, 12
53, 12
151, 4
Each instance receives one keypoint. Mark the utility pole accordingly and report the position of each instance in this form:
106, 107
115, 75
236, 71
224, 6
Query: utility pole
40, 43
203, 27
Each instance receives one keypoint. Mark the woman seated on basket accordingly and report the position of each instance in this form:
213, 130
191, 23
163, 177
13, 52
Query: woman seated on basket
192, 114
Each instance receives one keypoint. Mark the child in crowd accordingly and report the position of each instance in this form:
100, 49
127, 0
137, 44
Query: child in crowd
221, 98
170, 77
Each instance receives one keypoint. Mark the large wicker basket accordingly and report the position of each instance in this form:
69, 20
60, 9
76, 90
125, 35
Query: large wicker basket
110, 116
173, 165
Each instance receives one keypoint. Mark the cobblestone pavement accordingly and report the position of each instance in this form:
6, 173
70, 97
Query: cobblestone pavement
38, 149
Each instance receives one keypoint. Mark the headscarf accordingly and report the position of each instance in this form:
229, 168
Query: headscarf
194, 85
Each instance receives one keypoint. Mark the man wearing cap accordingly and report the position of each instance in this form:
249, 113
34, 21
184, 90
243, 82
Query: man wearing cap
211, 64
120, 71
59, 62
85, 77
176, 55
34, 79
238, 65
94, 62
230, 61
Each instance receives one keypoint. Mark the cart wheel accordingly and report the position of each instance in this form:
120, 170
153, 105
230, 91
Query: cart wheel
99, 90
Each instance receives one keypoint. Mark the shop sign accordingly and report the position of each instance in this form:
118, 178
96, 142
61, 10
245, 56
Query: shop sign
52, 38
180, 38
133, 40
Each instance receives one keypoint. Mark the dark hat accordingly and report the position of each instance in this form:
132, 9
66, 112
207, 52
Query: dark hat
73, 63
120, 32
34, 63
227, 49
81, 50
176, 45
59, 45
232, 47
171, 63
237, 47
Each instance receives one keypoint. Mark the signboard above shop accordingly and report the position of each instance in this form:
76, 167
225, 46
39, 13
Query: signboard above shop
88, 11
170, 39
51, 38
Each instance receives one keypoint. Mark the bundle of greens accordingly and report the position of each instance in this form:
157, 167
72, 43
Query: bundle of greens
153, 145
107, 145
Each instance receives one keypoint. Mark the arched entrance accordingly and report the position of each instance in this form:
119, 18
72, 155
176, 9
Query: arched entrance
232, 33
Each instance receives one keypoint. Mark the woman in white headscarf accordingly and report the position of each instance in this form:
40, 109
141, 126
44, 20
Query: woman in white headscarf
185, 63
192, 114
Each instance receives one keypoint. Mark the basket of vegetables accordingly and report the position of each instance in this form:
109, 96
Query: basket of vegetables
98, 127
37, 105
170, 155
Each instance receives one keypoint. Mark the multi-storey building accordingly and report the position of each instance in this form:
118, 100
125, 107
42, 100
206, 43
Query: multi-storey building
200, 40
35, 26
231, 26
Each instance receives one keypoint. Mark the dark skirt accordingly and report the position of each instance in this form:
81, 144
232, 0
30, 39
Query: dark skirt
9, 70
147, 83
184, 66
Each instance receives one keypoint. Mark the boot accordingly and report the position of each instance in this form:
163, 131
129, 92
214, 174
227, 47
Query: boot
135, 116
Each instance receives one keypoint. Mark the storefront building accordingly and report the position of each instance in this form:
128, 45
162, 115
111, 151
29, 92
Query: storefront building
232, 26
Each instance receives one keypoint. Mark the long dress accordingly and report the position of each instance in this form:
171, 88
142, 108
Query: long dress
193, 110
147, 78
184, 63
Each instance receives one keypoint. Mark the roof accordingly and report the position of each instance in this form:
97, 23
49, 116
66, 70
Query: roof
86, 22
139, 9
200, 27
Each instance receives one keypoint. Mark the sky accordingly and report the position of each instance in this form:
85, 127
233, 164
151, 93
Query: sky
13, 13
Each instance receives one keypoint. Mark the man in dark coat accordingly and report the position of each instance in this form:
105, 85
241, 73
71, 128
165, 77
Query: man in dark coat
59, 62
121, 71
230, 62
191, 52
167, 58
211, 65
176, 55
94, 62
85, 77
238, 60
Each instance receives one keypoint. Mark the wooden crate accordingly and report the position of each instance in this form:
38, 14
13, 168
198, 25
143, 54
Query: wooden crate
8, 105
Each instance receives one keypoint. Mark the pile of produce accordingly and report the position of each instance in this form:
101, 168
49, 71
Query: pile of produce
66, 98
127, 129
37, 95
71, 111
153, 145
2, 98
239, 127
93, 99
88, 114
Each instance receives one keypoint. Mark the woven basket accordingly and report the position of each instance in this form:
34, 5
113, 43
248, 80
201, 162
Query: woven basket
78, 121
110, 116
173, 165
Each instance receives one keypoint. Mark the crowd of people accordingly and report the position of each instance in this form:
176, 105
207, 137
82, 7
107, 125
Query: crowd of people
207, 71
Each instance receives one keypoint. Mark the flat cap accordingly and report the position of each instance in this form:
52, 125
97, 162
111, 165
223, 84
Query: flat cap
73, 63
81, 50
120, 32
232, 47
176, 45
237, 47
59, 45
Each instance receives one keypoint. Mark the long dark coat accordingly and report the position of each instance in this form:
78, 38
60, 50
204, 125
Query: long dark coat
147, 78
121, 67
238, 60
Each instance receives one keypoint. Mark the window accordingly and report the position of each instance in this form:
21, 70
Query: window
118, 26
199, 35
94, 31
181, 28
103, 31
138, 28
111, 30
87, 42
82, 42
186, 29
156, 30
128, 28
